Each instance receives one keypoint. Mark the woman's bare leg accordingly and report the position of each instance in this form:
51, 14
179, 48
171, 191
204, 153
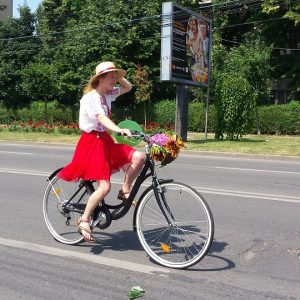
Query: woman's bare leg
94, 200
133, 170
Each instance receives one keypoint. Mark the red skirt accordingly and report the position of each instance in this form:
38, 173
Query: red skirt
96, 157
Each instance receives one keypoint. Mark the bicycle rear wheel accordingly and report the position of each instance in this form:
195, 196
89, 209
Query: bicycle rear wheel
63, 204
179, 233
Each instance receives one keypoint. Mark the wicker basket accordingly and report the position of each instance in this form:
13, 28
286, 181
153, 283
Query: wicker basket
167, 160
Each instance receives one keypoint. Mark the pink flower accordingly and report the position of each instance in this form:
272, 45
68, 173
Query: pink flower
159, 139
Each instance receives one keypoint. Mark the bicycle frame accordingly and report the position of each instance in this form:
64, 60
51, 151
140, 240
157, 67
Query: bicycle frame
118, 211
172, 220
149, 165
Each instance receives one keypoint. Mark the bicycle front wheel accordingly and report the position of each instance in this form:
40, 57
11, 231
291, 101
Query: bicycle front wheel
63, 204
176, 230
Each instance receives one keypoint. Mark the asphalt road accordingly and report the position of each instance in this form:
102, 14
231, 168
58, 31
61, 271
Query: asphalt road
255, 253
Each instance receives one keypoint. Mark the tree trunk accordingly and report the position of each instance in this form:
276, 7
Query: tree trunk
46, 111
257, 121
145, 115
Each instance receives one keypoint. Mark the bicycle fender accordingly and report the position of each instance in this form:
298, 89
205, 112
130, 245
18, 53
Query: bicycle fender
53, 174
142, 196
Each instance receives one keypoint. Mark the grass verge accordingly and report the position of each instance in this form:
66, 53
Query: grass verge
252, 144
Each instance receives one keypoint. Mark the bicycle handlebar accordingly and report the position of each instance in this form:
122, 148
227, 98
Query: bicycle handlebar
133, 133
139, 135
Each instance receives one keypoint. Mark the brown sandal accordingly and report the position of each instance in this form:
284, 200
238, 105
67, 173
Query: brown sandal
122, 197
81, 229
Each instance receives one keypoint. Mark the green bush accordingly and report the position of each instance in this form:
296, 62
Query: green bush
134, 112
274, 119
165, 112
71, 128
280, 119
162, 113
56, 112
237, 106
268, 116
197, 112
196, 121
35, 112
6, 115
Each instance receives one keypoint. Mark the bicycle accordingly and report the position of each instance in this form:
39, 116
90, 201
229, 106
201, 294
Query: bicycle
173, 221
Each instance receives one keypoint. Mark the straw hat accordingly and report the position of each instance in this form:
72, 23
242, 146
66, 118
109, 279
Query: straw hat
106, 67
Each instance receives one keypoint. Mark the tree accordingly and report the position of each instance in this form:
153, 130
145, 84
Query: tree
250, 62
286, 40
143, 87
77, 35
39, 81
73, 36
289, 9
275, 22
17, 48
237, 105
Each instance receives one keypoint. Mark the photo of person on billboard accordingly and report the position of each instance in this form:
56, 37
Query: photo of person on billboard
205, 40
197, 44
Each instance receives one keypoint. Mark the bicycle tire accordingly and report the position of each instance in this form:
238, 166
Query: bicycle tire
60, 220
185, 240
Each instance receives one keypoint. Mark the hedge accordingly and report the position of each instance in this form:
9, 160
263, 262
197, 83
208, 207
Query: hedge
274, 119
280, 119
57, 113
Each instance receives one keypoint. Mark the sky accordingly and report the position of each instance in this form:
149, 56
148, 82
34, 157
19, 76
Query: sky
32, 4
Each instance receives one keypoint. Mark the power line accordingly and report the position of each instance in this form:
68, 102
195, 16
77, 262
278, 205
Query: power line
105, 25
272, 48
82, 29
165, 17
255, 22
227, 5
76, 44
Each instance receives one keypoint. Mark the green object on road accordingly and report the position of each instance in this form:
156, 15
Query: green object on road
136, 292
131, 125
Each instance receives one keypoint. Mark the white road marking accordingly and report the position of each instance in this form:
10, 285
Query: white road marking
259, 170
20, 153
24, 172
272, 197
39, 145
97, 259
204, 190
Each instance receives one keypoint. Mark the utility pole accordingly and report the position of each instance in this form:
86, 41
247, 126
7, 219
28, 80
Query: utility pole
181, 124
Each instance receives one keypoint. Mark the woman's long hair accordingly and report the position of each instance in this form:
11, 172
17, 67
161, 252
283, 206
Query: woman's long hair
92, 84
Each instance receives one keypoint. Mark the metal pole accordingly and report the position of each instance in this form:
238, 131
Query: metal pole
181, 122
206, 112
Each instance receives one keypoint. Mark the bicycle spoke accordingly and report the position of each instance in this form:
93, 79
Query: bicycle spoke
154, 213
59, 213
187, 238
156, 237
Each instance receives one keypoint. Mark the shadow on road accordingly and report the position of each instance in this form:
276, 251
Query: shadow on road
119, 241
128, 240
214, 262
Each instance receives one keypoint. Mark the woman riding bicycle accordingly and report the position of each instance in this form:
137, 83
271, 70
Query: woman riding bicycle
97, 156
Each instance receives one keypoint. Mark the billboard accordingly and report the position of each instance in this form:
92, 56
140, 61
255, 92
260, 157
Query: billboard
185, 46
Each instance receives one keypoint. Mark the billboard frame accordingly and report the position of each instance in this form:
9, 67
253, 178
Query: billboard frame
175, 61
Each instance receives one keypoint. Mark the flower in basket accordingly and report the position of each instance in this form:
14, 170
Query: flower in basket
165, 147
